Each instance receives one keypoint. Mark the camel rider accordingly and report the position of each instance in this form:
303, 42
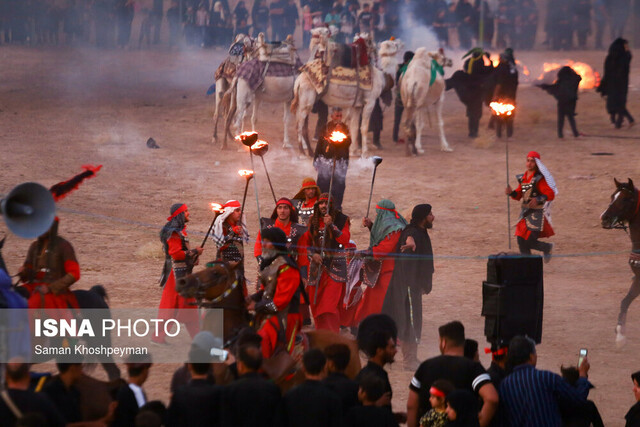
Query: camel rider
276, 304
49, 271
305, 199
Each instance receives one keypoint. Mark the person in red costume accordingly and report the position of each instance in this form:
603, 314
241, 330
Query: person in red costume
179, 262
305, 200
285, 218
277, 303
385, 233
327, 272
536, 190
230, 233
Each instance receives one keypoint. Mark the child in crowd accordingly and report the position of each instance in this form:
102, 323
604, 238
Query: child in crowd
371, 390
437, 416
462, 409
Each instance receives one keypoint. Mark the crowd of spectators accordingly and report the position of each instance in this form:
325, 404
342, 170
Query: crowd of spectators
455, 23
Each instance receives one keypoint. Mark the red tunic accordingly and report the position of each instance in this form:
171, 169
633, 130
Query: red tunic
373, 298
257, 248
543, 188
329, 290
286, 287
172, 300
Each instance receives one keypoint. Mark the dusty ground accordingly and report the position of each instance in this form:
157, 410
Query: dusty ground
62, 109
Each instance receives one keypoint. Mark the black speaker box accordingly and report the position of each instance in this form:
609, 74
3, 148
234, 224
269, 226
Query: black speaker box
513, 298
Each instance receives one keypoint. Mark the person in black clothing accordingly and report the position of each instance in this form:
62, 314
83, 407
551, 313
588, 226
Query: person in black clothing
565, 90
311, 404
326, 150
506, 79
62, 392
28, 402
462, 409
369, 414
199, 401
498, 369
131, 397
633, 416
265, 395
615, 82
470, 85
338, 356
412, 277
471, 350
173, 18
399, 107
451, 365
586, 416
259, 17
465, 15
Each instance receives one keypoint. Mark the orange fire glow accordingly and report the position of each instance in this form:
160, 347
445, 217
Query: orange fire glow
245, 173
500, 109
216, 207
494, 60
260, 148
247, 138
337, 136
590, 77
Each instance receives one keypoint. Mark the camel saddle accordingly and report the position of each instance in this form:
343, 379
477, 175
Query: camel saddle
227, 70
281, 52
320, 74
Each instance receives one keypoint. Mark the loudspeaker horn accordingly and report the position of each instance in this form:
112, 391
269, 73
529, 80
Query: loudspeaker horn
28, 210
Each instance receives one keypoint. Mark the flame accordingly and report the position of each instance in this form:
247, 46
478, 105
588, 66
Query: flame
245, 135
494, 60
590, 77
245, 173
337, 136
500, 109
259, 144
247, 138
216, 207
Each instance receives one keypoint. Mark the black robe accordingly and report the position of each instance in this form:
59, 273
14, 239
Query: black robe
615, 82
411, 278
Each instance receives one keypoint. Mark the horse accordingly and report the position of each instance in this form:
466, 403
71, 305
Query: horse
217, 287
94, 298
624, 208
422, 87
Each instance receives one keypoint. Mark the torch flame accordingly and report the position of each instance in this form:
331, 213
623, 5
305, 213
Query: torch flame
247, 138
245, 173
337, 136
260, 144
245, 135
500, 109
216, 207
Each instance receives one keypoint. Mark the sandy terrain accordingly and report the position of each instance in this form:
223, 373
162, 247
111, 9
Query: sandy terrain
62, 109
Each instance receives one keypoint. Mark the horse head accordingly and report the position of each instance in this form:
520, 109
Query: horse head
624, 205
207, 284
440, 58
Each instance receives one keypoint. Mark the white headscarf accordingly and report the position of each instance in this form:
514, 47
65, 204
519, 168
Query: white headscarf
551, 183
218, 233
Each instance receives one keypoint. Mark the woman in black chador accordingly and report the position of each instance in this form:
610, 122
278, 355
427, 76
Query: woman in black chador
615, 83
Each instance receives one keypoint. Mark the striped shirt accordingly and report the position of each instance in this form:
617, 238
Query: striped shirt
530, 397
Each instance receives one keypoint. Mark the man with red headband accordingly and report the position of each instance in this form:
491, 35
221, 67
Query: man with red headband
305, 200
179, 262
385, 234
536, 190
285, 218
277, 303
325, 254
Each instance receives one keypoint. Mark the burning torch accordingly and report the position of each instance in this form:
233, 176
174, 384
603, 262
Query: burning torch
217, 210
247, 175
260, 148
248, 139
499, 110
376, 162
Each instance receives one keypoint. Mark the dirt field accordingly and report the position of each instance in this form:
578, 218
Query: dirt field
62, 109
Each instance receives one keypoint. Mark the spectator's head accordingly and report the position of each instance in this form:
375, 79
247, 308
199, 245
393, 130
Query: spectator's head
451, 337
570, 374
154, 414
17, 374
365, 7
138, 368
207, 348
522, 349
338, 356
313, 362
377, 336
636, 385
249, 359
499, 353
306, 9
70, 372
438, 393
462, 408
471, 350
371, 388
408, 56
336, 114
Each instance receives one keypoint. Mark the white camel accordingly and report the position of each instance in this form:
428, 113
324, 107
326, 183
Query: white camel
422, 88
355, 100
272, 90
241, 50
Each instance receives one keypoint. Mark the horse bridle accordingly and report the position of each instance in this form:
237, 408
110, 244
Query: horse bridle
201, 292
617, 223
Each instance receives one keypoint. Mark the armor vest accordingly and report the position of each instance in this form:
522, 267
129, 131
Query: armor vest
304, 213
183, 267
296, 231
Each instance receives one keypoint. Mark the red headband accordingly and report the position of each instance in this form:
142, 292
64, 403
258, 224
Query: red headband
533, 154
323, 199
178, 212
390, 210
284, 201
231, 204
310, 183
436, 392
499, 352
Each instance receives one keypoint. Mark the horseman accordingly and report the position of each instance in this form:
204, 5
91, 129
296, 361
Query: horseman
277, 303
305, 200
385, 234
230, 233
285, 218
49, 271
179, 262
536, 190
327, 238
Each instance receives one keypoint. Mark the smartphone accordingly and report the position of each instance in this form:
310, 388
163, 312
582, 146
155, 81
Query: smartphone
583, 354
